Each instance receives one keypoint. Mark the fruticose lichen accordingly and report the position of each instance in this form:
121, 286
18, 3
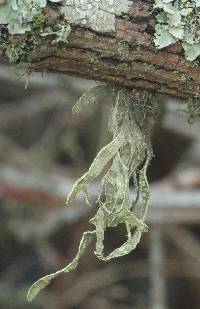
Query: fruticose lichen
179, 20
131, 120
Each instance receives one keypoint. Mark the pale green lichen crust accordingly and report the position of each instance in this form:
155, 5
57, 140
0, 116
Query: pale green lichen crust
179, 20
98, 15
131, 120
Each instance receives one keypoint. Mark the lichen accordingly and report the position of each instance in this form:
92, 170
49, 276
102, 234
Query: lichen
98, 15
131, 120
17, 15
27, 17
60, 34
12, 51
178, 20
132, 116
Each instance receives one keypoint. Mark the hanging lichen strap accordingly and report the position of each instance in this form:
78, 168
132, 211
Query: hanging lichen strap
43, 282
137, 113
103, 157
131, 120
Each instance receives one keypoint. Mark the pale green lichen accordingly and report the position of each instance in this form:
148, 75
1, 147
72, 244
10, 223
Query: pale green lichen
61, 34
179, 20
17, 15
26, 16
43, 282
131, 120
98, 15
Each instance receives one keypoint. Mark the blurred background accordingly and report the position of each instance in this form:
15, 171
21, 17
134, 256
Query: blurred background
43, 150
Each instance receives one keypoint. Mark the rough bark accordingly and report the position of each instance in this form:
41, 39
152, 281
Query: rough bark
126, 57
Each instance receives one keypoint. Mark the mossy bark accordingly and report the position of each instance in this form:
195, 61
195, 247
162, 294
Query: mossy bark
126, 57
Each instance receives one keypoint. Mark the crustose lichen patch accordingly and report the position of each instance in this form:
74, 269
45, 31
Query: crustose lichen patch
98, 15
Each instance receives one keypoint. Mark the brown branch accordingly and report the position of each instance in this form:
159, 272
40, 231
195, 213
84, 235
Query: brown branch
126, 57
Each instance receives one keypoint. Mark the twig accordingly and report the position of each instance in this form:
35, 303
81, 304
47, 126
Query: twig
169, 204
157, 275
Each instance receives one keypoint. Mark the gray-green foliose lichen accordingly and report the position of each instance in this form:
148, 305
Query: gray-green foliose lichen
179, 20
27, 17
18, 14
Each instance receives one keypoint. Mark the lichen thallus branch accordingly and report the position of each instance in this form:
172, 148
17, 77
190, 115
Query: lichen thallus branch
131, 120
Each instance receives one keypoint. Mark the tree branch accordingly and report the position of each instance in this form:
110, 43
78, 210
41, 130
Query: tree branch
126, 57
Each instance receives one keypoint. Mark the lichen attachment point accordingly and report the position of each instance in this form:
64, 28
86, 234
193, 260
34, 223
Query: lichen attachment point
131, 120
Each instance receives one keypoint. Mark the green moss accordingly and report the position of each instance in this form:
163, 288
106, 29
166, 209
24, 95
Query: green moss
12, 51
38, 22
